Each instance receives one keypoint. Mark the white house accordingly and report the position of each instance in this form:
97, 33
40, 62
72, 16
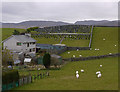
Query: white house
20, 43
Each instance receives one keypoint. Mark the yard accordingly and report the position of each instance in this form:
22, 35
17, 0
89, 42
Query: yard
64, 79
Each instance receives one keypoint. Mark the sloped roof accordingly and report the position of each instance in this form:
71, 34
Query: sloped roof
54, 55
59, 44
22, 38
37, 44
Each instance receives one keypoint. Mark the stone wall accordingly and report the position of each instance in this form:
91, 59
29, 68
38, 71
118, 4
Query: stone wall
80, 48
91, 57
91, 37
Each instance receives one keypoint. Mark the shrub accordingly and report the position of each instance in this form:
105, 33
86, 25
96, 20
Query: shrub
46, 60
16, 32
9, 76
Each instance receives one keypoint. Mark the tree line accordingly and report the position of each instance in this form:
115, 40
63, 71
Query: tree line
28, 30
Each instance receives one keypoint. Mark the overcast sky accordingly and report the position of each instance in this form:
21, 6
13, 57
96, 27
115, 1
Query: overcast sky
59, 11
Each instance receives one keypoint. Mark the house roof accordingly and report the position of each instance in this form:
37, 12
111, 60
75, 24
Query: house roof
59, 44
21, 38
37, 44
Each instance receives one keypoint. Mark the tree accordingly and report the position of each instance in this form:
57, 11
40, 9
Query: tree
7, 57
31, 29
28, 30
16, 32
46, 60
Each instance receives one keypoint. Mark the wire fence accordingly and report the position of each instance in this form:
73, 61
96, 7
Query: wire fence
24, 80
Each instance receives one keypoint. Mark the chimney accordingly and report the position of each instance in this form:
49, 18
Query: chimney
28, 34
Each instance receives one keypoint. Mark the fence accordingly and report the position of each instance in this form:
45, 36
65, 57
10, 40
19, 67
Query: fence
91, 57
24, 80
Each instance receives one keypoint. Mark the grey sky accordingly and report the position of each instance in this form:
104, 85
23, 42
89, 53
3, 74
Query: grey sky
59, 11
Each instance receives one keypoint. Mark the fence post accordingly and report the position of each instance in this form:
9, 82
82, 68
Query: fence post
43, 75
40, 75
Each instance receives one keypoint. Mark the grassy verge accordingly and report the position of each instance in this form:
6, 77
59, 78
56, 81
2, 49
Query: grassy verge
64, 79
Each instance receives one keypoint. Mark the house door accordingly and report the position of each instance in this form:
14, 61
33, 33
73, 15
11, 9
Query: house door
27, 44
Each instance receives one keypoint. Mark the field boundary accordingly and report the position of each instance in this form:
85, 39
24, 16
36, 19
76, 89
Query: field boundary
91, 57
80, 48
91, 37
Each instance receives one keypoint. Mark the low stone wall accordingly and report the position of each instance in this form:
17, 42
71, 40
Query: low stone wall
91, 57
80, 48
61, 51
91, 37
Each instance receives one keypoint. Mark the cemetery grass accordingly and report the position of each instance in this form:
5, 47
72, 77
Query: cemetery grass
105, 46
64, 79
67, 42
7, 32
44, 40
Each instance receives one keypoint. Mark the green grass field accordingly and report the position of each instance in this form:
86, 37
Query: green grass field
44, 40
105, 46
76, 43
68, 42
64, 79
7, 32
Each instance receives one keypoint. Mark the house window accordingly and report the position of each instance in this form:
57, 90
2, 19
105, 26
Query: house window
33, 42
19, 43
30, 50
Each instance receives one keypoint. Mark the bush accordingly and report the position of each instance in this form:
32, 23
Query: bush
9, 76
16, 32
46, 60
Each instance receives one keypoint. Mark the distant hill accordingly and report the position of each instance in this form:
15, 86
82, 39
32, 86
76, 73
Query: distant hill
98, 23
27, 24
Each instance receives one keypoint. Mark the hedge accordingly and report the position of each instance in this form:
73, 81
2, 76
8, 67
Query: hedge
10, 76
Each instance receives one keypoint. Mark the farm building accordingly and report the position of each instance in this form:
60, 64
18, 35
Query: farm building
59, 46
44, 46
50, 46
55, 59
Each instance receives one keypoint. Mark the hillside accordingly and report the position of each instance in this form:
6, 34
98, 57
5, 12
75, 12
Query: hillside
27, 24
98, 23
